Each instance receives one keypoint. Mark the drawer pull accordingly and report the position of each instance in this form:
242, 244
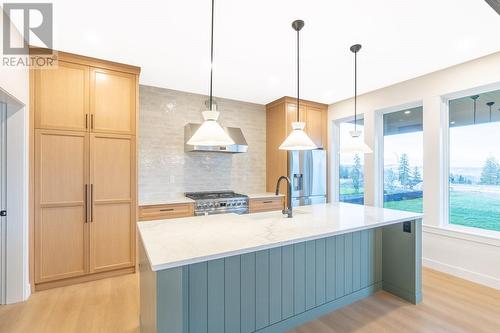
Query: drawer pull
267, 201
166, 209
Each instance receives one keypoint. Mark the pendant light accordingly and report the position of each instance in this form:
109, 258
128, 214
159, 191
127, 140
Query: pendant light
490, 104
355, 144
474, 98
298, 139
211, 133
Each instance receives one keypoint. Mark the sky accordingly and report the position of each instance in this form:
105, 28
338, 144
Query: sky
469, 145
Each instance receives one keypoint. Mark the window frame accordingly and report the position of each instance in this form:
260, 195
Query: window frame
335, 159
445, 167
379, 147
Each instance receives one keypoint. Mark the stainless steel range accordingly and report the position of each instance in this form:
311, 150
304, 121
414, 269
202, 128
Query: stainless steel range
208, 203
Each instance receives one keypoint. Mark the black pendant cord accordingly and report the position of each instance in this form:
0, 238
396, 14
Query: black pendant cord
355, 91
490, 104
298, 75
211, 54
474, 111
474, 98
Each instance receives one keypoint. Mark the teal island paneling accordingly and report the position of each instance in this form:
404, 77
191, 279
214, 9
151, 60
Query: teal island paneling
277, 289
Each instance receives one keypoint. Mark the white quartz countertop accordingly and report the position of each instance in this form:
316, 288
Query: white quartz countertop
177, 242
264, 195
166, 199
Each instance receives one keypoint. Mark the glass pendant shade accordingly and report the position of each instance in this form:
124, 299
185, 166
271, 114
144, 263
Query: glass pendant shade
210, 133
298, 139
355, 144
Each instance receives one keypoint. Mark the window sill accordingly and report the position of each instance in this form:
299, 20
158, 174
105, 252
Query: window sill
476, 235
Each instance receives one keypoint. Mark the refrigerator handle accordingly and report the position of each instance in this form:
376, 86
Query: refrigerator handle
296, 182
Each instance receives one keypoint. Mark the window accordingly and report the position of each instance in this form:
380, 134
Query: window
474, 164
351, 173
403, 160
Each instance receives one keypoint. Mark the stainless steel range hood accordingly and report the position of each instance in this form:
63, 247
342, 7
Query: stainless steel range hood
235, 133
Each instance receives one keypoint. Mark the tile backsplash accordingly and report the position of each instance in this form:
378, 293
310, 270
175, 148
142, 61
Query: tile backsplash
164, 167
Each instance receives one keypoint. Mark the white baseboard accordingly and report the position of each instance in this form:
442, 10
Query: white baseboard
27, 292
486, 280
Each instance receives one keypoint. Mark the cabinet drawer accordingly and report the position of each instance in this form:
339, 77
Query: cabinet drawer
160, 212
266, 204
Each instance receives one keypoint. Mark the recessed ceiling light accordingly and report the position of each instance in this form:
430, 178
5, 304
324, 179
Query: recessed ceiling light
407, 112
452, 123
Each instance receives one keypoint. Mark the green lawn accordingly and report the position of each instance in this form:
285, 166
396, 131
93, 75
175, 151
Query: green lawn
347, 189
472, 209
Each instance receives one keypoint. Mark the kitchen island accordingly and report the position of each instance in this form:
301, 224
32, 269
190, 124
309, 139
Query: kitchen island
266, 273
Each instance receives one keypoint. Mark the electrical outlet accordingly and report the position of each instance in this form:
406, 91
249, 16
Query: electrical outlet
407, 227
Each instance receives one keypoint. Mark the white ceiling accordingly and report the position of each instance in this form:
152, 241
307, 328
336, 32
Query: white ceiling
255, 44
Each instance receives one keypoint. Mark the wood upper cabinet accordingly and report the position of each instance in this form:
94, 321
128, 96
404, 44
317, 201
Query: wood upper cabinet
280, 115
62, 97
61, 228
316, 122
112, 101
113, 201
291, 115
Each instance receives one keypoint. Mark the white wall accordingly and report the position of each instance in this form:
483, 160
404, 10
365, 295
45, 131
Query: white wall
445, 248
15, 82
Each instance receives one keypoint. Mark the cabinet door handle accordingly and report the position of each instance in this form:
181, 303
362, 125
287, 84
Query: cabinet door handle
86, 203
166, 209
92, 121
86, 120
91, 202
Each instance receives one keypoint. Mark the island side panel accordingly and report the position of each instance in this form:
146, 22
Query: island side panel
203, 297
402, 260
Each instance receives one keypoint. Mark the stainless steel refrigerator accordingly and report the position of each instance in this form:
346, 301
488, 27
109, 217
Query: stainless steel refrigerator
307, 172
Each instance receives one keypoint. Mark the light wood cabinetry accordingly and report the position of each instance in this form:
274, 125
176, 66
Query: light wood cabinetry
257, 205
112, 179
316, 125
61, 97
280, 115
112, 101
166, 211
61, 228
84, 170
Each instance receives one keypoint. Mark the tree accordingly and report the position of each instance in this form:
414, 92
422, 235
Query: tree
389, 179
343, 172
356, 173
489, 175
404, 170
416, 177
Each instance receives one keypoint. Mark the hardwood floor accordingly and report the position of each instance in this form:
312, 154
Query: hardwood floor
108, 305
450, 305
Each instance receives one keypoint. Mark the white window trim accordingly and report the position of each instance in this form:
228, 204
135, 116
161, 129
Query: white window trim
445, 227
378, 150
335, 159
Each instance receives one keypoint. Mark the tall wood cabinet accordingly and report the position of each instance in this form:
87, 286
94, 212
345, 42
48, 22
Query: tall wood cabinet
280, 115
84, 172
